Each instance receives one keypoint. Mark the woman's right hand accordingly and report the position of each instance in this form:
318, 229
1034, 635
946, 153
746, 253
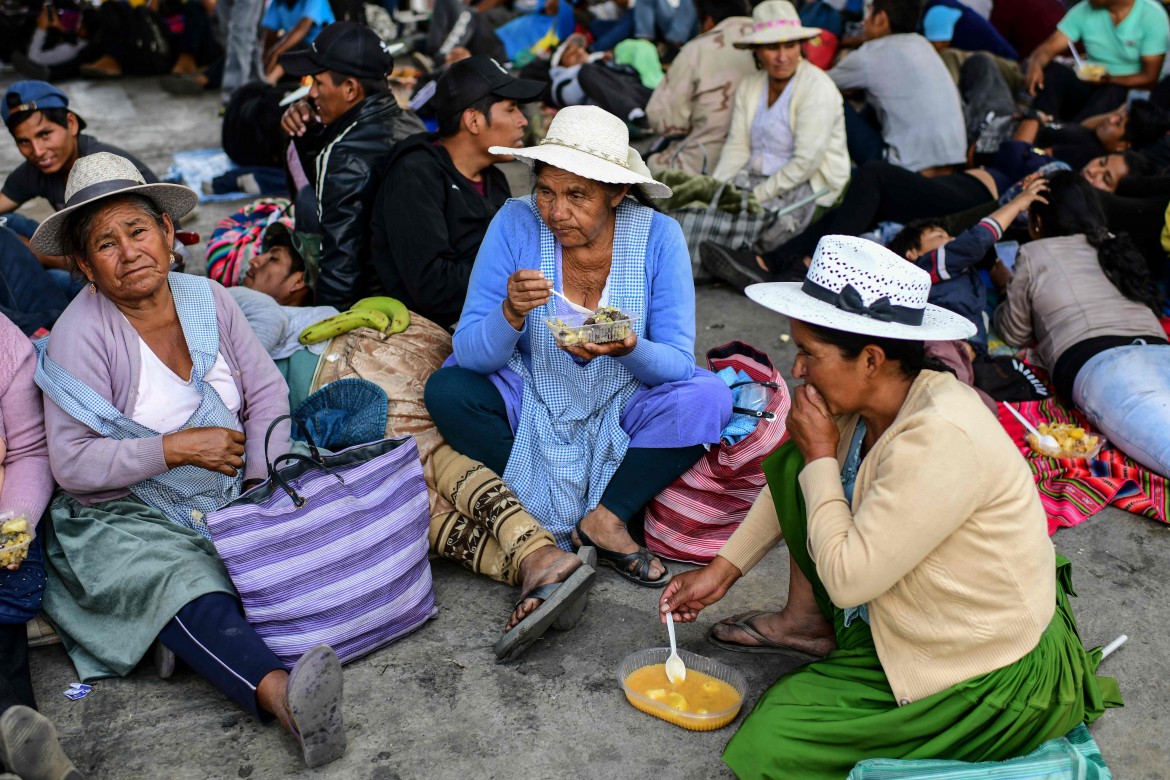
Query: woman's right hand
527, 289
214, 449
690, 591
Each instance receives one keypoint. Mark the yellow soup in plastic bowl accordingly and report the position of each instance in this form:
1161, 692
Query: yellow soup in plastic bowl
700, 702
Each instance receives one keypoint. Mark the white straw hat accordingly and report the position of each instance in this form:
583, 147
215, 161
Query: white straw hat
592, 143
858, 286
100, 175
776, 21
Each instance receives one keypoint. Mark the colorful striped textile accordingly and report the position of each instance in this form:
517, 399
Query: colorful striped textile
1072, 757
347, 567
694, 516
1073, 489
237, 238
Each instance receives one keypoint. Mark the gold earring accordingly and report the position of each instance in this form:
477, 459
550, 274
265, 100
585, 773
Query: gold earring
92, 288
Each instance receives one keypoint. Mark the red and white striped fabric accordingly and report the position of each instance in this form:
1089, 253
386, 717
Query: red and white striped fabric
691, 519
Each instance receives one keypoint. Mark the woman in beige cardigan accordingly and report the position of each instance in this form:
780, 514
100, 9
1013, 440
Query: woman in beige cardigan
788, 121
922, 575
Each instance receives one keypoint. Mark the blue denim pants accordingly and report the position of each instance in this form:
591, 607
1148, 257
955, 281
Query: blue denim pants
676, 23
28, 295
1125, 393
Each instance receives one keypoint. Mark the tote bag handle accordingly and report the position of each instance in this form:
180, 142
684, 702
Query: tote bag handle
315, 460
757, 413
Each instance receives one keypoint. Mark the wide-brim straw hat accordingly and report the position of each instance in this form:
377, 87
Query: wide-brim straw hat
594, 144
776, 21
858, 286
100, 175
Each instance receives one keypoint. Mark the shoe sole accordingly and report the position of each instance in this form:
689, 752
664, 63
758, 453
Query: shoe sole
315, 699
29, 746
568, 619
716, 260
533, 627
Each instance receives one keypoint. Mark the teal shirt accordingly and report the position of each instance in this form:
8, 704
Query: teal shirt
1144, 32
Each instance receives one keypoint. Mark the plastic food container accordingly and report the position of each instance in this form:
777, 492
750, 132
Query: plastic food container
687, 720
1091, 72
14, 553
1056, 430
571, 330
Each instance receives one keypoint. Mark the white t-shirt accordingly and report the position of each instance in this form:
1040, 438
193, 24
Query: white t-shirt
166, 401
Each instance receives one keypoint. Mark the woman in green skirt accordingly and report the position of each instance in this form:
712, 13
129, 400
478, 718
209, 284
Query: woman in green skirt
922, 575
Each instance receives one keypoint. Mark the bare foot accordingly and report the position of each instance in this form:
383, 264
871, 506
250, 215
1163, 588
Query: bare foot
607, 530
545, 565
184, 64
763, 267
808, 635
272, 696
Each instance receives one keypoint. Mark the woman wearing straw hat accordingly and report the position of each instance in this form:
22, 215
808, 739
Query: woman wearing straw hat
787, 134
921, 575
158, 395
586, 435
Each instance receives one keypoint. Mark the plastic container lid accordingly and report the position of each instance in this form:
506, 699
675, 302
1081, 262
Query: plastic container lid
569, 330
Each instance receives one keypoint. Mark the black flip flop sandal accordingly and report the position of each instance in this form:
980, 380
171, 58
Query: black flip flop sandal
622, 562
766, 646
558, 598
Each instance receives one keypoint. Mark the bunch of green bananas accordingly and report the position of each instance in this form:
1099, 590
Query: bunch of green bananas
388, 315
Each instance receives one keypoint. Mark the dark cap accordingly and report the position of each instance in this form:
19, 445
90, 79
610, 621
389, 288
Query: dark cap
347, 48
31, 96
470, 79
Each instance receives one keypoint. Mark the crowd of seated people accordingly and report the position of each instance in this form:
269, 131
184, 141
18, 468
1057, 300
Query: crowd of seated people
911, 146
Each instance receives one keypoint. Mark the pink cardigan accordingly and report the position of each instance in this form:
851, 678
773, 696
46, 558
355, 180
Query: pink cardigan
95, 343
26, 483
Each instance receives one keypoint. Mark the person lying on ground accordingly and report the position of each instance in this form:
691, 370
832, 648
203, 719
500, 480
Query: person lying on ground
288, 25
1085, 296
1125, 44
899, 497
881, 192
691, 108
787, 135
586, 434
1133, 126
921, 128
359, 122
158, 396
951, 261
441, 190
28, 741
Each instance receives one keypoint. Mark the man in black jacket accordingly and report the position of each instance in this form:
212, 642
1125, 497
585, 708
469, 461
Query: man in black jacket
361, 122
441, 191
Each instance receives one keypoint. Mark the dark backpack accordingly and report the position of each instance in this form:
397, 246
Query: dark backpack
251, 126
147, 52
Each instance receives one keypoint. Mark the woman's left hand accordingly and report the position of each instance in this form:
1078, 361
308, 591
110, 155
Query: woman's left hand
811, 424
589, 351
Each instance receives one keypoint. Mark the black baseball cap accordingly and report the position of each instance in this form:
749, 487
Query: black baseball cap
344, 47
470, 79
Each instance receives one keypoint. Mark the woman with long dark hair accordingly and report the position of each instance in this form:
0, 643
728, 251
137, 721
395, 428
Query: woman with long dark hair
1085, 296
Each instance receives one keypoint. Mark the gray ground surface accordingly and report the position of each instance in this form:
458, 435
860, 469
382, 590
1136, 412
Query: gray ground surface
436, 705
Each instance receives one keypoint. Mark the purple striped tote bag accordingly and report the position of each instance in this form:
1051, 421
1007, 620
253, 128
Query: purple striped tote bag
332, 548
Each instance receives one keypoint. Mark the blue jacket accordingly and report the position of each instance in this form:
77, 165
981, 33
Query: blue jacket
955, 284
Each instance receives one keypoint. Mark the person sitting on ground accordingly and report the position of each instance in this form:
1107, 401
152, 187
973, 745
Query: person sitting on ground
787, 135
1085, 296
951, 261
691, 107
288, 25
158, 397
361, 122
899, 497
184, 41
442, 190
586, 434
950, 23
28, 741
1126, 39
908, 88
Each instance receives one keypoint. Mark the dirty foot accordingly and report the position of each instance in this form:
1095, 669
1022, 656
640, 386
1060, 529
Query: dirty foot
609, 534
546, 565
808, 635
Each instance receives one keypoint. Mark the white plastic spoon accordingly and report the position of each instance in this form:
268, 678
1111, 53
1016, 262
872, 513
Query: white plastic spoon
1043, 440
676, 670
576, 308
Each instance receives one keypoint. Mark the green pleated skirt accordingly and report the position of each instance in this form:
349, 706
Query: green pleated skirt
117, 572
820, 720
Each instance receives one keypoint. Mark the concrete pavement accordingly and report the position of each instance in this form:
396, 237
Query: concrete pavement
436, 705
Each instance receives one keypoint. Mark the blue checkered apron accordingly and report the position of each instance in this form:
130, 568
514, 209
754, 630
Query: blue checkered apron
185, 494
569, 440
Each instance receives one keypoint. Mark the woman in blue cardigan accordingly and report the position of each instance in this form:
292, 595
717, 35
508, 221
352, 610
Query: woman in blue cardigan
585, 435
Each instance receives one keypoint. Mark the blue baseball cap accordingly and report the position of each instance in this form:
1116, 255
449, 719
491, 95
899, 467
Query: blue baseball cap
31, 96
938, 25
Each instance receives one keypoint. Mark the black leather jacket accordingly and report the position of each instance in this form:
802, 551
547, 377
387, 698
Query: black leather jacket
349, 171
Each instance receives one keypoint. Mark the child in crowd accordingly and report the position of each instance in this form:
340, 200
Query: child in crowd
951, 261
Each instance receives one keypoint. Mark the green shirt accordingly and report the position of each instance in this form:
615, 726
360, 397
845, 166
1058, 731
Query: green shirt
1144, 32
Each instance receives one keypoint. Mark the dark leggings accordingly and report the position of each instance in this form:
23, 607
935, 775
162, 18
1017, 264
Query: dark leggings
211, 635
1067, 97
15, 680
470, 414
882, 192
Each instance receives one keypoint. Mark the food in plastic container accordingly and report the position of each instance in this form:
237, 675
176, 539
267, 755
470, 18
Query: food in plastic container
709, 698
1090, 72
15, 538
606, 324
1073, 440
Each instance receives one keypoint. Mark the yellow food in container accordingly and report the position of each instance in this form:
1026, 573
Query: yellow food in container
709, 698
